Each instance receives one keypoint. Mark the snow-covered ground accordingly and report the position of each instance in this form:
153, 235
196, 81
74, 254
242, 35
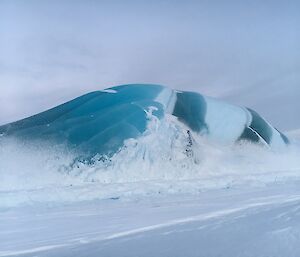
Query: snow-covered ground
227, 201
254, 221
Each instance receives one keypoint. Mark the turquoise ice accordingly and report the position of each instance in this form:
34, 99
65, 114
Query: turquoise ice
100, 122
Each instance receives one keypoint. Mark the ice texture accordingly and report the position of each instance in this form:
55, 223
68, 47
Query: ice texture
101, 121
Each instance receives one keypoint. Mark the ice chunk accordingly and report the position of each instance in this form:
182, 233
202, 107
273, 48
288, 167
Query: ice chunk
100, 122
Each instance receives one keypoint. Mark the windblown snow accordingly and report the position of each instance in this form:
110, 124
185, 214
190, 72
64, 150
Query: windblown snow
172, 169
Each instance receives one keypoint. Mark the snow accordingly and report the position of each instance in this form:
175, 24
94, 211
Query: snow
241, 200
168, 192
150, 165
253, 221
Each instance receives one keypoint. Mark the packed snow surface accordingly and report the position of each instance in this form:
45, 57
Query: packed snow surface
240, 221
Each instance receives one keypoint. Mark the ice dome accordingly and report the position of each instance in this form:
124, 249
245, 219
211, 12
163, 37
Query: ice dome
99, 122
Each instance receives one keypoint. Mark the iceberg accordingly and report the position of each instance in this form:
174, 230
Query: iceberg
99, 122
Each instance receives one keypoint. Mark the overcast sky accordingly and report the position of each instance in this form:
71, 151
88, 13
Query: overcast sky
246, 52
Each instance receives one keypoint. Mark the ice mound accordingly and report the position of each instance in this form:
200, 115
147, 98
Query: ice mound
100, 122
139, 140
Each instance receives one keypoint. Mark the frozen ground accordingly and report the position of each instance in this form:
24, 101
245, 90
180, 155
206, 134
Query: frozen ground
242, 201
254, 221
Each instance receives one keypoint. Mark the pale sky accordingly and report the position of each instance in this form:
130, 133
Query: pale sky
245, 52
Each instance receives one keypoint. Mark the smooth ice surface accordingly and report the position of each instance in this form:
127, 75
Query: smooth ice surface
101, 121
98, 122
225, 121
